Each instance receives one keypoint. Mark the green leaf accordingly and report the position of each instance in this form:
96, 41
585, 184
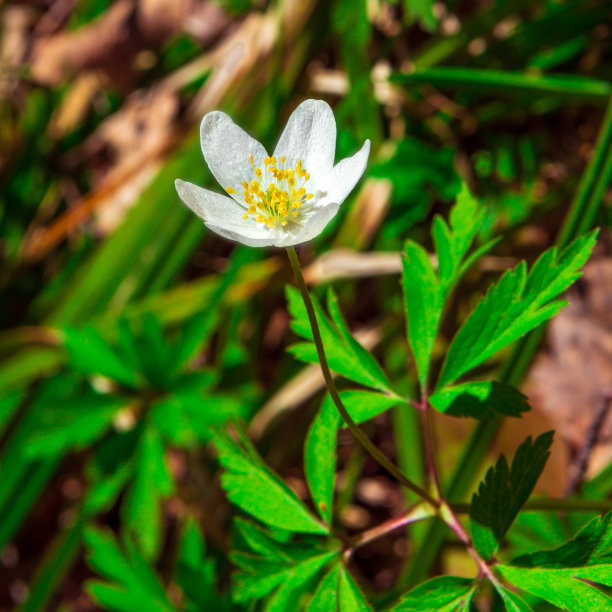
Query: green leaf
518, 303
453, 243
72, 424
90, 354
567, 576
320, 445
345, 355
254, 488
338, 591
511, 600
130, 583
351, 599
440, 594
196, 574
196, 331
422, 11
152, 483
506, 82
320, 460
279, 569
325, 598
423, 303
504, 491
185, 415
480, 400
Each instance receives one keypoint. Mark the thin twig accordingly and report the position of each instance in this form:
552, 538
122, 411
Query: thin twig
581, 463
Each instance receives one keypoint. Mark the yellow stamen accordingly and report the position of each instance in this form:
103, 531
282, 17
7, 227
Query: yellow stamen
230, 190
275, 199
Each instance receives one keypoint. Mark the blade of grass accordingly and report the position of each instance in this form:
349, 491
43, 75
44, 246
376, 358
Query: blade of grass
504, 82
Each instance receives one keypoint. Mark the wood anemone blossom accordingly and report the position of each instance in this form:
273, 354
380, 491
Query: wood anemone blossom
282, 199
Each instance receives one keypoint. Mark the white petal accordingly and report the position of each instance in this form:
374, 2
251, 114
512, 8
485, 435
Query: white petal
223, 215
310, 135
226, 149
312, 227
236, 237
343, 177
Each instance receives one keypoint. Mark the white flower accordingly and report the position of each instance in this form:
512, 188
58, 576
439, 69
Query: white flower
283, 199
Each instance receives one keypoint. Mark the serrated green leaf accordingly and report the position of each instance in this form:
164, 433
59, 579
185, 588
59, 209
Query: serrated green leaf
345, 355
258, 577
131, 582
152, 483
296, 584
482, 399
515, 305
260, 541
504, 491
254, 488
568, 589
453, 243
440, 594
320, 444
423, 302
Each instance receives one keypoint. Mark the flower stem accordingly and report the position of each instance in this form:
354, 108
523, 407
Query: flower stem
429, 445
414, 513
361, 437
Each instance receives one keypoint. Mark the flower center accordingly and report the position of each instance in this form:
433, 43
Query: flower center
277, 193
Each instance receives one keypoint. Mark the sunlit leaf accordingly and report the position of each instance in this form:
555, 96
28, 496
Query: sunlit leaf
258, 491
440, 594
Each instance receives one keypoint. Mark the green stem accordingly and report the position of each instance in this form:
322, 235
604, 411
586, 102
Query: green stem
361, 437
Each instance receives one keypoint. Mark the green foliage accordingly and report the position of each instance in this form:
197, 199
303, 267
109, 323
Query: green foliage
480, 400
152, 483
512, 601
345, 355
515, 305
283, 571
124, 352
423, 306
129, 583
572, 575
503, 493
441, 594
320, 445
415, 169
196, 574
426, 292
255, 489
421, 11
338, 591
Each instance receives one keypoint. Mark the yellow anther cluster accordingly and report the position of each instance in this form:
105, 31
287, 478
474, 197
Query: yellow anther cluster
277, 193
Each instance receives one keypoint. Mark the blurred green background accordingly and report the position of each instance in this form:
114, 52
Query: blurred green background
128, 329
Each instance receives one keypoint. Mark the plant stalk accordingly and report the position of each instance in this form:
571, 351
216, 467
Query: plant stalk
361, 437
